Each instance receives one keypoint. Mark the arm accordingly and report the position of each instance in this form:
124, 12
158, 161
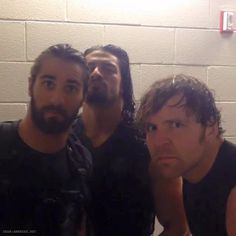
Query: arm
231, 213
85, 227
169, 206
82, 230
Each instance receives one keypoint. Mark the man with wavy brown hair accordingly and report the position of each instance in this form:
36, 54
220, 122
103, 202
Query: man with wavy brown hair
184, 137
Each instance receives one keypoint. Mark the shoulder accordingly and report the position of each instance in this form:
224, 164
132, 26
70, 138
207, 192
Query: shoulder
129, 132
8, 133
77, 126
8, 126
229, 152
130, 145
228, 148
231, 213
80, 153
226, 159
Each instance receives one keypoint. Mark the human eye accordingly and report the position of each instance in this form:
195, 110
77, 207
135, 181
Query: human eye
150, 128
176, 124
48, 83
91, 67
72, 89
108, 68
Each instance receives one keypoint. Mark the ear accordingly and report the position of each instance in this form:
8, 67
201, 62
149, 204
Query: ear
212, 131
30, 86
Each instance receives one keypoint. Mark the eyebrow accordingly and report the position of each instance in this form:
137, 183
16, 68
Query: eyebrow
178, 119
74, 81
47, 76
71, 81
173, 119
90, 62
103, 62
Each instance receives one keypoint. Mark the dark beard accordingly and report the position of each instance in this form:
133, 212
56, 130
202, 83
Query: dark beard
98, 96
99, 100
51, 125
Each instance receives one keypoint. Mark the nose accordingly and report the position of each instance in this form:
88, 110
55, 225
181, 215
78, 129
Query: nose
57, 97
158, 139
96, 72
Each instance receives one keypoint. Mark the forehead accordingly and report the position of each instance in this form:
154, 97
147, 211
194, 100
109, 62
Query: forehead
59, 67
173, 108
177, 101
99, 56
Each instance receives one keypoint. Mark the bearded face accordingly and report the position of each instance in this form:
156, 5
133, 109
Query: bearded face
56, 124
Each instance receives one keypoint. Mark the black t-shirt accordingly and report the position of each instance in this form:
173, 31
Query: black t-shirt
206, 201
40, 194
122, 202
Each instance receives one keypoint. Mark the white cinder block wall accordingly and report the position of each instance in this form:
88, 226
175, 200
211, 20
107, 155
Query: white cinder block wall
161, 37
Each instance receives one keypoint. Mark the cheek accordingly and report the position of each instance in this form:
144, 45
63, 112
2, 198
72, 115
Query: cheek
120, 86
39, 99
153, 168
81, 97
40, 93
77, 102
188, 147
149, 142
115, 85
152, 147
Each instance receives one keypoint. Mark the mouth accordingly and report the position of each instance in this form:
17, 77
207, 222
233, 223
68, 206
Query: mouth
166, 159
96, 83
54, 114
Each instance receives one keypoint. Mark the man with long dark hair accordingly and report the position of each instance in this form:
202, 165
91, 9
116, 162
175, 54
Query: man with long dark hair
122, 200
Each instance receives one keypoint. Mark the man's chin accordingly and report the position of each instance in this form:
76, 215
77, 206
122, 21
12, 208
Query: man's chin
102, 102
164, 171
168, 173
53, 129
54, 117
96, 99
53, 125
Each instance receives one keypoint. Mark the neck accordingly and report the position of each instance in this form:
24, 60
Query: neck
38, 140
101, 122
200, 170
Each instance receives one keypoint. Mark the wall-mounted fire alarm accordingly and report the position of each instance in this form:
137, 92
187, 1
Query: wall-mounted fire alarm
226, 21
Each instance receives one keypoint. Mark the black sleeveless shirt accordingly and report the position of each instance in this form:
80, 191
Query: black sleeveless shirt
206, 201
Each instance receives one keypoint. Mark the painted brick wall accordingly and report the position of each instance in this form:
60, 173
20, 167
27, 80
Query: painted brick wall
161, 37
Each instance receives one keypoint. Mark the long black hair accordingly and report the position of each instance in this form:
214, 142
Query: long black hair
126, 81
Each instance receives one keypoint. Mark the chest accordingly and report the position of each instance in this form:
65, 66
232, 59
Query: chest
205, 206
28, 171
